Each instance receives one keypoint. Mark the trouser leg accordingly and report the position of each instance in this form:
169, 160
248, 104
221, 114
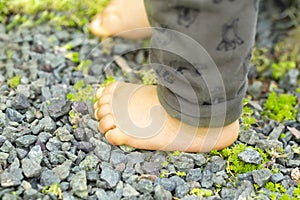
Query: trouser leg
202, 49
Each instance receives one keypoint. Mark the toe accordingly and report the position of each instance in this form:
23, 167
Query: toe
103, 110
99, 92
110, 88
106, 123
105, 99
115, 137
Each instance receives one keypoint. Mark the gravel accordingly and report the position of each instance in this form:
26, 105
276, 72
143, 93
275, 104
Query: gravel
40, 146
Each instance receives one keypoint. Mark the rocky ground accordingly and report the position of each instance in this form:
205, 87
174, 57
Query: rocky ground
50, 147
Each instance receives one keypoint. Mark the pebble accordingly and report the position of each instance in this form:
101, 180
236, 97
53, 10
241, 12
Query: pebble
26, 140
166, 183
62, 171
36, 154
14, 115
59, 108
248, 136
111, 176
12, 176
79, 134
117, 157
31, 168
161, 193
85, 146
48, 177
151, 167
274, 135
268, 145
207, 175
261, 177
194, 175
79, 185
89, 163
21, 102
182, 188
102, 150
63, 134
129, 191
250, 156
275, 178
144, 186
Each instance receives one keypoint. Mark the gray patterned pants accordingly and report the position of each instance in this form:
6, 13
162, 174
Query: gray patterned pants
200, 50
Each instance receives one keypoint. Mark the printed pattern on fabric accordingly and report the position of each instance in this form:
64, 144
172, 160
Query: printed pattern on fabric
187, 16
230, 37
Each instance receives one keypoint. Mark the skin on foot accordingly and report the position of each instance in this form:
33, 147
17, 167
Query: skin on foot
127, 19
131, 114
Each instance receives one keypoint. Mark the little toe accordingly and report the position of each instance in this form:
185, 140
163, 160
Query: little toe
106, 123
110, 88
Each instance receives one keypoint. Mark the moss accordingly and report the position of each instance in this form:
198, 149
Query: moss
14, 81
277, 187
199, 192
108, 80
261, 59
54, 189
247, 115
280, 107
148, 77
59, 13
181, 174
281, 68
84, 66
82, 94
234, 164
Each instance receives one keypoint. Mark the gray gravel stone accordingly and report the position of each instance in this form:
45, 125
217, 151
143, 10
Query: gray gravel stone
36, 154
268, 145
293, 163
26, 140
117, 157
248, 137
79, 134
59, 108
43, 137
63, 134
62, 171
228, 193
275, 178
250, 156
31, 168
167, 184
151, 167
92, 175
21, 153
111, 176
255, 89
262, 176
2, 119
21, 102
85, 146
48, 124
245, 177
14, 115
194, 175
12, 176
274, 135
135, 157
79, 185
129, 191
102, 150
244, 190
161, 193
89, 163
207, 175
182, 188
217, 164
31, 194
48, 177
144, 186
3, 156
184, 163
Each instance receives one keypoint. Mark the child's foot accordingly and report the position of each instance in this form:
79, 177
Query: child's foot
132, 115
122, 18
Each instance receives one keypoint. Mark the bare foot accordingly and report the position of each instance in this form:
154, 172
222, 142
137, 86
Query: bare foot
131, 114
123, 18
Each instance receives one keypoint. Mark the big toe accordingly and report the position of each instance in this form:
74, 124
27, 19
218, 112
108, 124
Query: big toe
116, 137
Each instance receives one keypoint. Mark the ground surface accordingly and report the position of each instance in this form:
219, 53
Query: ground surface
50, 147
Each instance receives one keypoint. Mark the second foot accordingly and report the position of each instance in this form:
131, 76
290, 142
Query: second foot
122, 18
131, 114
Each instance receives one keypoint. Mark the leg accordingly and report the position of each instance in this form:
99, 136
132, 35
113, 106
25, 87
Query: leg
122, 18
163, 118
